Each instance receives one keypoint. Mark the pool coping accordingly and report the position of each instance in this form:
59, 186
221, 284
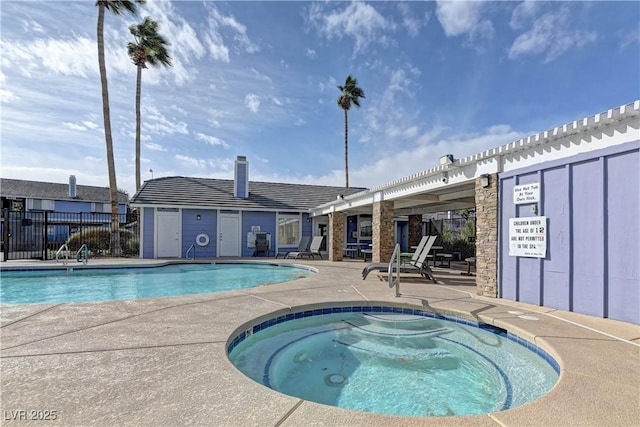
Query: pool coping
598, 358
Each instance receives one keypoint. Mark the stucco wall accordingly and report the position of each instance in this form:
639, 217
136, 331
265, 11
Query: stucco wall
592, 203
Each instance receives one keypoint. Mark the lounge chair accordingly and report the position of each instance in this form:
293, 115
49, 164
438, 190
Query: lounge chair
417, 264
314, 249
302, 247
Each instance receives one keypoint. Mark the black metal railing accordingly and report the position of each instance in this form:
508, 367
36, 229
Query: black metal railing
39, 234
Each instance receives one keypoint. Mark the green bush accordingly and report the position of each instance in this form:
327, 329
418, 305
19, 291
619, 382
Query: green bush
98, 241
465, 248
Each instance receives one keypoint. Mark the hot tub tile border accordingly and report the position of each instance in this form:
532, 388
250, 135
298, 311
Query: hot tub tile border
390, 309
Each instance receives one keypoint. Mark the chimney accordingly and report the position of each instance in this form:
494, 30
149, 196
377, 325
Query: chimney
241, 178
72, 186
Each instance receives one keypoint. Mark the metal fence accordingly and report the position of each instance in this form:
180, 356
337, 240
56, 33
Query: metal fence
38, 235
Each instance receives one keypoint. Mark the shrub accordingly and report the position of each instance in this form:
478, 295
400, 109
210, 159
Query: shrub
98, 241
465, 248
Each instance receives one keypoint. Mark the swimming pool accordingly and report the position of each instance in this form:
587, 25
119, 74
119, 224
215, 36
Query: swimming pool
393, 360
104, 284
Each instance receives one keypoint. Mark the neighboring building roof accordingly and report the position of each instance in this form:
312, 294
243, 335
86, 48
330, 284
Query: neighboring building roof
218, 193
54, 191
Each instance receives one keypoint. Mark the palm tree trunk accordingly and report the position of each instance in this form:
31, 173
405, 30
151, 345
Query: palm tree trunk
346, 150
113, 188
138, 90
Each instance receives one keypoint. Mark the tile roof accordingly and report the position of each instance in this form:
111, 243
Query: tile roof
55, 191
218, 193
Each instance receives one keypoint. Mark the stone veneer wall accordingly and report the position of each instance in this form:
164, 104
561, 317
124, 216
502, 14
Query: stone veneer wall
336, 242
383, 231
415, 230
487, 238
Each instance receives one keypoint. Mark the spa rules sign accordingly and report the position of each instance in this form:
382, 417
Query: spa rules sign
528, 236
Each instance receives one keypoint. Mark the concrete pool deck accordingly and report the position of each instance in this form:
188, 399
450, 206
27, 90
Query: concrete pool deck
163, 361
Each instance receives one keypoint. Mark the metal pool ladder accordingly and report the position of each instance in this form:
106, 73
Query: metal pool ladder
395, 259
64, 248
83, 254
192, 250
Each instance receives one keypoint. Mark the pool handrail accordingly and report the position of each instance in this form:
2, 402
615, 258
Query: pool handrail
84, 250
395, 257
192, 248
64, 248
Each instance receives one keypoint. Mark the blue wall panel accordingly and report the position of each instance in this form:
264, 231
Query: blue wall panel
592, 204
554, 196
267, 223
148, 232
192, 227
623, 236
508, 267
529, 284
588, 237
69, 206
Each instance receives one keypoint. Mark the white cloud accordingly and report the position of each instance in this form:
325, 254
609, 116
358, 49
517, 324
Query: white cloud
252, 102
463, 17
211, 140
551, 35
629, 38
154, 147
32, 26
358, 20
205, 165
7, 96
155, 122
178, 109
311, 53
89, 124
191, 161
73, 126
219, 24
410, 21
523, 14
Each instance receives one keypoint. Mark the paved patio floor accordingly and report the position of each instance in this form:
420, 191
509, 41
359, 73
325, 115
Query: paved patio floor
162, 361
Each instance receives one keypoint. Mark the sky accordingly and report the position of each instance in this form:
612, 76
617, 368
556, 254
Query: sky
259, 79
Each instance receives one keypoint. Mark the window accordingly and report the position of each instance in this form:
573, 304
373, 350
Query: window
288, 230
40, 205
101, 207
366, 230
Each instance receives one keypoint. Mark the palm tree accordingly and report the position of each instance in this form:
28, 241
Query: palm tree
117, 7
350, 94
148, 47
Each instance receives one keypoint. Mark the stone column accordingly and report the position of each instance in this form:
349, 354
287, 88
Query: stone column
415, 230
383, 231
487, 237
336, 236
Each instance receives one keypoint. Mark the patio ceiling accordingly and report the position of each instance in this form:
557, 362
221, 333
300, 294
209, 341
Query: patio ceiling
453, 197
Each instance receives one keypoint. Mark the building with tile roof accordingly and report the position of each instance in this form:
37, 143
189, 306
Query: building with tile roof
202, 217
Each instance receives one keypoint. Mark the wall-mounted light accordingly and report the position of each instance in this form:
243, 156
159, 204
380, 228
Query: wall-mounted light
198, 217
308, 219
485, 180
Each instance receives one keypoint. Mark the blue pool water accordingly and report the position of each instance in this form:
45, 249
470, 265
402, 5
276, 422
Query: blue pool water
393, 363
105, 284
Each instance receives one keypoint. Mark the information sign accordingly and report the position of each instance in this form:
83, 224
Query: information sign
528, 236
526, 193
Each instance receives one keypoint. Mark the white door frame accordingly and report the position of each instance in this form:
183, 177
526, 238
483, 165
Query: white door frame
158, 212
237, 216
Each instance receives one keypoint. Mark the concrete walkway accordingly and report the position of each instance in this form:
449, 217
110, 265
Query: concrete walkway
162, 361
